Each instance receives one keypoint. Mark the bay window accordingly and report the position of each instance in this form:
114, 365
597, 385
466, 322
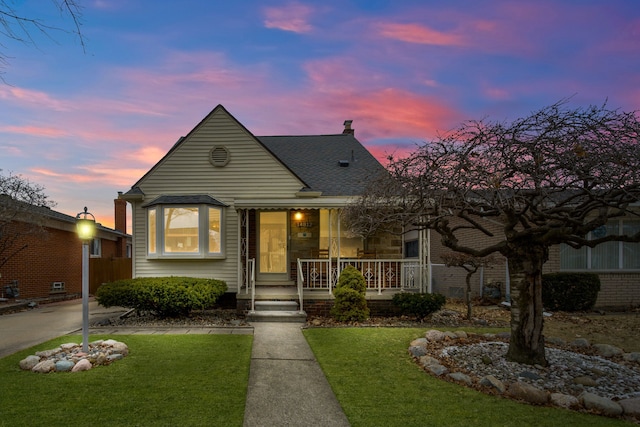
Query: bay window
184, 231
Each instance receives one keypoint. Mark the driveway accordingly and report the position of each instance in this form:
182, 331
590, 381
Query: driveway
47, 321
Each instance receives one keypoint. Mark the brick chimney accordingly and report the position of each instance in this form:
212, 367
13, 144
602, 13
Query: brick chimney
120, 214
347, 128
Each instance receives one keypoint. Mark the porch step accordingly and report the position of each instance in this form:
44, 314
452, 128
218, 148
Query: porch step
276, 306
277, 311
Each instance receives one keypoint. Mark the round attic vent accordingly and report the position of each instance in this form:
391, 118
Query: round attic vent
219, 156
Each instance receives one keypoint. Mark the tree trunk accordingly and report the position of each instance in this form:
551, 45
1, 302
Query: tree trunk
525, 272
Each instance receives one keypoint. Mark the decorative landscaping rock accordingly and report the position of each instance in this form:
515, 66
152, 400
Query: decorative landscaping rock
585, 381
528, 393
483, 361
564, 400
438, 370
418, 351
64, 365
70, 357
82, 365
486, 360
606, 350
29, 362
600, 404
580, 343
427, 361
434, 335
493, 382
632, 357
460, 377
114, 357
419, 342
631, 406
45, 366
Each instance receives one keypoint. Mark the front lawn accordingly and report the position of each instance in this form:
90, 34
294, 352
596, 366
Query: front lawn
378, 384
166, 380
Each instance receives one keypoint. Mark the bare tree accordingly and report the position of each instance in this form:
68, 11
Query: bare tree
524, 186
15, 25
470, 264
22, 204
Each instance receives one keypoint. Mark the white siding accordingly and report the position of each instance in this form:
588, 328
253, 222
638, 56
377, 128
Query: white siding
251, 173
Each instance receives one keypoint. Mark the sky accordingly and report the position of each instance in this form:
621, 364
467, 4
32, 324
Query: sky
87, 122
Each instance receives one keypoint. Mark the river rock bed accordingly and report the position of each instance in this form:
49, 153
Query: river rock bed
598, 378
70, 357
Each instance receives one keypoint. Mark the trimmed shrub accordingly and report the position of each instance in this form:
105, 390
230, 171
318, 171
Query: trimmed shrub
350, 303
419, 305
570, 291
163, 296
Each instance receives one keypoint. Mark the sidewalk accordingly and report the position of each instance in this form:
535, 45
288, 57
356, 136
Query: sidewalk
286, 385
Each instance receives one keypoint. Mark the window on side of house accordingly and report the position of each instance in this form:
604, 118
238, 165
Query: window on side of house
184, 231
609, 256
95, 248
411, 249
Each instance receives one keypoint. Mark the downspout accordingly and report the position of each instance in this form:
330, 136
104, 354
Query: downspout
429, 266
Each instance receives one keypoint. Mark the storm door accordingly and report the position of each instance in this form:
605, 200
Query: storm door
272, 246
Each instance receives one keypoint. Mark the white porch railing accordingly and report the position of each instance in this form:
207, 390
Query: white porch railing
251, 281
379, 274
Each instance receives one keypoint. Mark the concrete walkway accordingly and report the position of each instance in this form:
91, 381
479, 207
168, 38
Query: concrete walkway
286, 385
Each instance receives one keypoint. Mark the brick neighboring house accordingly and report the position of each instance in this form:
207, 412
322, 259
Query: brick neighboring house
48, 265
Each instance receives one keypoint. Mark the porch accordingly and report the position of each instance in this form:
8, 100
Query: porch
315, 280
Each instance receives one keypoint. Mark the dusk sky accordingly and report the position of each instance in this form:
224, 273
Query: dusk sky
86, 125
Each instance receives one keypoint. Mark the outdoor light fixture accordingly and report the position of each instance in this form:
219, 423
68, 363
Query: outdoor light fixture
299, 217
86, 228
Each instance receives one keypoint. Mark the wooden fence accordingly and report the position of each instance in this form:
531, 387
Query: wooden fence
103, 270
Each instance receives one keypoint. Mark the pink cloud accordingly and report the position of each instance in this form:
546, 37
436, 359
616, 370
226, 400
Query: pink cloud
291, 17
32, 97
420, 34
39, 131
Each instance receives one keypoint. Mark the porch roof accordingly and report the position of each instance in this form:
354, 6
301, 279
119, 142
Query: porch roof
301, 203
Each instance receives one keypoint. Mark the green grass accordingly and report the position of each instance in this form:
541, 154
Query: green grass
166, 380
378, 384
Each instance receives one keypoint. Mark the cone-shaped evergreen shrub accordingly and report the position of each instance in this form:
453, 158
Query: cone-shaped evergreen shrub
350, 303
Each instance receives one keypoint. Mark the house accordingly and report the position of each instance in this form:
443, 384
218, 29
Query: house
263, 213
616, 263
45, 261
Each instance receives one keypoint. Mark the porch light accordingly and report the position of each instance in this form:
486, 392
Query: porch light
299, 217
86, 228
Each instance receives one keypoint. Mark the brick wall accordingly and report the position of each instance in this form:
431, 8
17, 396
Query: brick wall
54, 257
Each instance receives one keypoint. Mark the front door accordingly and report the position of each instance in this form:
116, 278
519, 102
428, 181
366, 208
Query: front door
272, 246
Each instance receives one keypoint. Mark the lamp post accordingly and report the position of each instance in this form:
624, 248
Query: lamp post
85, 227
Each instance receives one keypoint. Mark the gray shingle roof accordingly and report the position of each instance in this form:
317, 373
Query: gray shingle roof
337, 165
